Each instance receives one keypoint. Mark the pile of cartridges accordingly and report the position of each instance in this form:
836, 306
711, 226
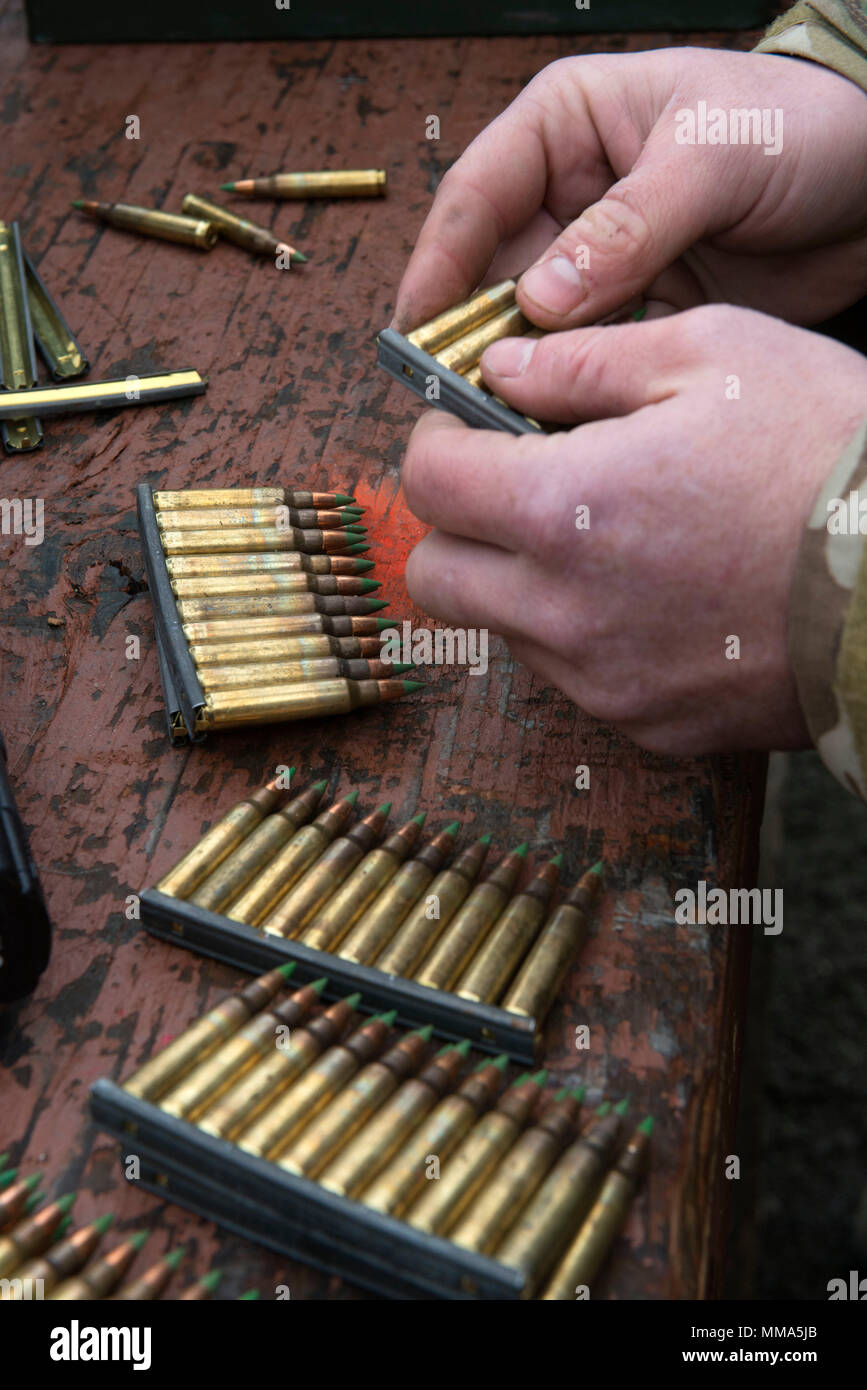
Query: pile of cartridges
448, 350
40, 1258
263, 607
333, 1118
355, 897
29, 318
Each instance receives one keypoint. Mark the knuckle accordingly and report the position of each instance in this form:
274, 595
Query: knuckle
618, 225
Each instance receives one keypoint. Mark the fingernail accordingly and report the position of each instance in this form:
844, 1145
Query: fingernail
510, 356
555, 285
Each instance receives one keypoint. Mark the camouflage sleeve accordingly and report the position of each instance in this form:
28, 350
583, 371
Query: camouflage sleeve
830, 32
828, 619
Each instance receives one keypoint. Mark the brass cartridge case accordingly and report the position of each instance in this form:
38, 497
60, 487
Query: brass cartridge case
195, 610
260, 240
269, 1078
251, 585
305, 700
231, 877
512, 934
14, 1198
167, 226
288, 1115
242, 540
222, 838
553, 1215
301, 903
344, 907
100, 1277
72, 398
249, 497
202, 1087
281, 517
471, 924
150, 1284
457, 322
401, 1181
263, 563
589, 1248
377, 925
287, 866
440, 1205
337, 183
313, 646
31, 1236
197, 1042
51, 331
352, 1106
291, 672
367, 1153
536, 985
17, 355
418, 933
466, 351
498, 1206
64, 1259
225, 630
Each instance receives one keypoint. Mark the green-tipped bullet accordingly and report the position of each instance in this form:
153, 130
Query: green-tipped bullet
368, 585
4, 1159
352, 797
352, 1001
409, 687
65, 1202
7, 1178
202, 1288
398, 667
363, 566
102, 1223
249, 1297
319, 984
358, 550
389, 1018
138, 1239
287, 969
646, 1126
622, 1106
597, 868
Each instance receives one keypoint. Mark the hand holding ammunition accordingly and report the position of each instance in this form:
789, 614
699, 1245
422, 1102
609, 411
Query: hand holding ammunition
579, 163
605, 554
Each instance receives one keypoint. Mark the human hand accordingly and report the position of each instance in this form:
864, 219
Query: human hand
708, 436
594, 139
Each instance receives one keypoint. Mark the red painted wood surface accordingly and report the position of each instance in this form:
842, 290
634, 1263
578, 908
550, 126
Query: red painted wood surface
295, 398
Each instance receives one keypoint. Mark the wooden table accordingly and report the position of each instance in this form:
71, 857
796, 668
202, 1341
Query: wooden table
295, 397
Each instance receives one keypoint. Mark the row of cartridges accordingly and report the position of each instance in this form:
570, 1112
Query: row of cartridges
40, 1257
278, 863
275, 602
508, 1169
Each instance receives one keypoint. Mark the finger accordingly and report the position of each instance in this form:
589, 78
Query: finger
640, 225
591, 373
482, 484
468, 585
477, 206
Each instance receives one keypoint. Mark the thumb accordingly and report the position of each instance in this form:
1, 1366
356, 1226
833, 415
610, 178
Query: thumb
619, 245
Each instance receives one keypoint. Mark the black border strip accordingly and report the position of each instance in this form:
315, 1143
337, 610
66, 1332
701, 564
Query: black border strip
292, 1215
412, 367
489, 1028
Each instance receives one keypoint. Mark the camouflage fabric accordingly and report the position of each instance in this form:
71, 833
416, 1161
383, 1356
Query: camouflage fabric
830, 32
828, 619
828, 615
